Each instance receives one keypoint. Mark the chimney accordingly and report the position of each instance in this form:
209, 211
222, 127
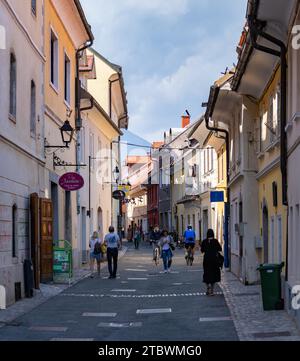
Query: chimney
185, 121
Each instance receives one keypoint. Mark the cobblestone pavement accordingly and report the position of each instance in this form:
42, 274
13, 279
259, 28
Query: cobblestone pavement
45, 292
251, 321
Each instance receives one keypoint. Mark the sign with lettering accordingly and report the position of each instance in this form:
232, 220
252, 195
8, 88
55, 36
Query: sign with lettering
217, 197
71, 182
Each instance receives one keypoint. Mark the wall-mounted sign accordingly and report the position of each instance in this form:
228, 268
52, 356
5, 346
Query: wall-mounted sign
119, 195
71, 182
217, 197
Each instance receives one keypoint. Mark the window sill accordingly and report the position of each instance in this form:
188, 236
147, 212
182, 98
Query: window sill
12, 118
67, 104
272, 146
260, 155
54, 87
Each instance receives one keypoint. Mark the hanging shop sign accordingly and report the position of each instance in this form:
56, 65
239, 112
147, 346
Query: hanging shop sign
71, 181
119, 195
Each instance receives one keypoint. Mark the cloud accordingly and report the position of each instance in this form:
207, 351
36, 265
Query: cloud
171, 52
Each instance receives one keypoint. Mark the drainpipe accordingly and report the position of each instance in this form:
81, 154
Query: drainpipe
255, 27
215, 93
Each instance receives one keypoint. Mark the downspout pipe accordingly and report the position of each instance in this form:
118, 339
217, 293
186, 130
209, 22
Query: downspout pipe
214, 93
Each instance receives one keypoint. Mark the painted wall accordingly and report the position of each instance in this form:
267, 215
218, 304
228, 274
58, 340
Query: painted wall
22, 159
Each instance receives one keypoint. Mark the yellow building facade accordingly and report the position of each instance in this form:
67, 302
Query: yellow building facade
272, 214
65, 32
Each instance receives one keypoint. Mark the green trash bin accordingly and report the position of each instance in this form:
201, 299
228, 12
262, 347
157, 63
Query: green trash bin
270, 275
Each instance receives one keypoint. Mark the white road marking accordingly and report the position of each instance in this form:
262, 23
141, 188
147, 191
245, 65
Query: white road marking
135, 270
195, 270
177, 284
215, 319
137, 279
48, 329
71, 339
119, 290
154, 311
92, 314
120, 325
196, 294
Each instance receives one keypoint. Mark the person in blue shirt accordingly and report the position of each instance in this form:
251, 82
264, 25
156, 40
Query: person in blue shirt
189, 240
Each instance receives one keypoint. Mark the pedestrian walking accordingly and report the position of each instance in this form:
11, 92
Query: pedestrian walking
112, 241
137, 238
95, 245
166, 247
211, 263
129, 234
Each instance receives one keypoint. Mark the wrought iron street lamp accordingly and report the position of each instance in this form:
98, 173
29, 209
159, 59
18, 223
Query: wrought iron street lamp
67, 132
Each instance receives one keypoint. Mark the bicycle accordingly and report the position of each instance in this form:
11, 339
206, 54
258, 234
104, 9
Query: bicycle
189, 257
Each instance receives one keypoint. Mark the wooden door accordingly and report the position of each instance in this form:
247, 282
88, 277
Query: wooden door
35, 238
46, 250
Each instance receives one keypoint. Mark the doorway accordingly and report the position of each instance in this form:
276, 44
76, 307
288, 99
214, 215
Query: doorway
205, 223
68, 217
266, 233
54, 198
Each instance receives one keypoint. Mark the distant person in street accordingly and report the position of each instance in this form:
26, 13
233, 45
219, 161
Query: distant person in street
166, 247
129, 234
189, 240
95, 253
212, 269
113, 243
155, 236
137, 238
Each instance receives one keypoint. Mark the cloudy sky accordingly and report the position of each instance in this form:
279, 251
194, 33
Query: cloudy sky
171, 51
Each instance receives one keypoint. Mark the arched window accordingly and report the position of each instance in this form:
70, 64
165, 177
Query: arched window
13, 87
14, 231
33, 108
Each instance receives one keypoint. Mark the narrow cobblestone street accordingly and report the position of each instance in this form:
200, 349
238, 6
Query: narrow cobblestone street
146, 304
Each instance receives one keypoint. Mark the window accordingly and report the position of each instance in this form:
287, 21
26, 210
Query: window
33, 109
13, 87
271, 124
54, 59
67, 79
14, 231
82, 144
33, 7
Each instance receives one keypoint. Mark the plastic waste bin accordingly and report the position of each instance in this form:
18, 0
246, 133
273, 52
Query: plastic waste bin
270, 275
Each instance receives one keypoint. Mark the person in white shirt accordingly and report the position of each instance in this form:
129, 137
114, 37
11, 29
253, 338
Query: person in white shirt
113, 243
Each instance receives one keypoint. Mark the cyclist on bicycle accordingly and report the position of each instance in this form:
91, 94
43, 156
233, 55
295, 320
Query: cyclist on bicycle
155, 238
189, 240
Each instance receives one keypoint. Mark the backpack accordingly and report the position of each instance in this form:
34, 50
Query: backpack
97, 248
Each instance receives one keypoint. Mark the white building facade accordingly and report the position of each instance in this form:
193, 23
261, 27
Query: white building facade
22, 158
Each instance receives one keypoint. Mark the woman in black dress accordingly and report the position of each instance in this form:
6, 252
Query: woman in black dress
212, 272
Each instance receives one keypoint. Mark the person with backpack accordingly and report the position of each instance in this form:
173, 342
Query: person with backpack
113, 243
212, 261
95, 253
